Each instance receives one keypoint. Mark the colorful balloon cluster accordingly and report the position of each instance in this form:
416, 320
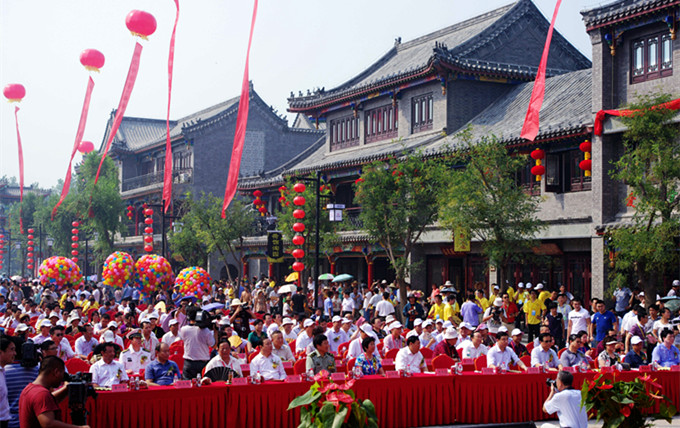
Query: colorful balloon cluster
119, 270
59, 271
192, 280
153, 271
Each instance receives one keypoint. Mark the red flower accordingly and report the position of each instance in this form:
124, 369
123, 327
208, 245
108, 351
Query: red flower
651, 382
337, 397
329, 387
321, 376
347, 385
591, 384
605, 386
358, 180
625, 411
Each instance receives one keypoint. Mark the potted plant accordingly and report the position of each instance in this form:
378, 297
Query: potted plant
328, 404
626, 404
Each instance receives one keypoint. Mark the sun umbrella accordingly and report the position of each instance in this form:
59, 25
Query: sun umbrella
287, 288
326, 277
16, 278
212, 306
292, 277
343, 277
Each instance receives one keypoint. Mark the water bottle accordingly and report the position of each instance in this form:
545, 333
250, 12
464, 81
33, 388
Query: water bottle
459, 368
198, 380
357, 372
545, 367
310, 375
618, 366
258, 378
583, 368
655, 366
607, 363
504, 368
407, 373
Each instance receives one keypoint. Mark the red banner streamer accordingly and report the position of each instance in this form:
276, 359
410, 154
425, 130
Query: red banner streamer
531, 121
167, 176
122, 105
21, 169
79, 138
241, 122
600, 116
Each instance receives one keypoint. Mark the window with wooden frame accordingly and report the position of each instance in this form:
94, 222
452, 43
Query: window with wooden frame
422, 113
563, 174
344, 132
524, 178
651, 57
381, 123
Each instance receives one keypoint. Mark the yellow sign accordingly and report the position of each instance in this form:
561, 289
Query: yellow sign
461, 241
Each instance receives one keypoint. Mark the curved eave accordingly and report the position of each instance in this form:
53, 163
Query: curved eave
628, 15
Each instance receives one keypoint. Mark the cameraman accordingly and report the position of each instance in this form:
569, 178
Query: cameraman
197, 344
566, 401
492, 315
38, 407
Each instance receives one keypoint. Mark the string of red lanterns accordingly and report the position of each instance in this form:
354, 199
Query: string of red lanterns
2, 249
586, 164
538, 169
260, 205
298, 227
74, 243
30, 261
148, 230
130, 212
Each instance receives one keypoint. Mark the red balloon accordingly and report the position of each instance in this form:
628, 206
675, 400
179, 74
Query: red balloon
86, 147
75, 224
538, 170
148, 239
14, 92
92, 59
298, 253
148, 212
298, 266
74, 245
140, 23
74, 252
148, 230
299, 214
586, 165
586, 146
148, 220
298, 240
31, 231
299, 227
299, 200
74, 259
537, 154
74, 238
257, 193
74, 231
299, 187
148, 248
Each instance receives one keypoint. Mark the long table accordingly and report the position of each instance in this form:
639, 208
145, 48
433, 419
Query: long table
400, 402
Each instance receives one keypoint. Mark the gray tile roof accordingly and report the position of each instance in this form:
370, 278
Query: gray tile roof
567, 107
622, 9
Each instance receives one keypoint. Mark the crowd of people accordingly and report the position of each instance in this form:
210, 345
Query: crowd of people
121, 336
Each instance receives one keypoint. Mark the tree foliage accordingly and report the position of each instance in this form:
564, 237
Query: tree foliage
484, 200
650, 166
399, 199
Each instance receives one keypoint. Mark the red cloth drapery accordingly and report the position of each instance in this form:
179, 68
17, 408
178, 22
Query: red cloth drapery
600, 115
79, 138
241, 122
167, 175
531, 121
20, 150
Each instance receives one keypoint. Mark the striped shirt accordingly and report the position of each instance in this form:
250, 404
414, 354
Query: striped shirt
17, 378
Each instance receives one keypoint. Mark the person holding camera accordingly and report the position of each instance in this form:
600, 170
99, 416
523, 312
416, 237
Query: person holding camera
566, 402
38, 407
197, 343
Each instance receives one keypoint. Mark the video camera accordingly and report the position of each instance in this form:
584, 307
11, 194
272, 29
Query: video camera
30, 357
551, 383
78, 390
202, 318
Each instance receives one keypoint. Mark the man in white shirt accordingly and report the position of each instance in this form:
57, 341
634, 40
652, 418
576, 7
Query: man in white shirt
544, 354
501, 354
566, 401
267, 364
197, 344
473, 347
288, 334
280, 347
305, 338
135, 358
409, 357
336, 336
384, 307
45, 326
355, 348
107, 372
86, 343
149, 340
64, 350
173, 335
579, 318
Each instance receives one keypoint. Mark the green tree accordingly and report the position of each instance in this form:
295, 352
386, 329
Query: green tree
650, 166
484, 201
211, 232
399, 199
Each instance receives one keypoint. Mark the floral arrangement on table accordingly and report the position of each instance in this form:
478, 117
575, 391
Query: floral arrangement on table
328, 404
626, 404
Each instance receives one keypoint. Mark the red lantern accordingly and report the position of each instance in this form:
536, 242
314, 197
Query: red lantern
148, 239
538, 170
148, 220
537, 154
298, 240
148, 212
74, 245
14, 92
74, 259
31, 231
299, 214
148, 230
86, 147
29, 248
298, 253
299, 187
29, 267
586, 146
148, 248
29, 237
141, 24
30, 243
282, 189
299, 227
586, 165
29, 259
29, 254
298, 266
257, 193
74, 252
74, 231
74, 238
282, 199
299, 200
92, 59
75, 224
262, 209
145, 205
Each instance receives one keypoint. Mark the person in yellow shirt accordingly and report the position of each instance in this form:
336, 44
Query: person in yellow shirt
495, 292
90, 304
542, 293
533, 308
452, 309
437, 310
483, 302
521, 295
510, 291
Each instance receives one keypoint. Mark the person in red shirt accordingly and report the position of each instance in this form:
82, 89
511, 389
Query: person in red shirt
38, 407
448, 345
510, 311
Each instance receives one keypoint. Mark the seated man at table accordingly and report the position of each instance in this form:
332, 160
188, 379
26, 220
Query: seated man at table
501, 355
394, 340
107, 372
280, 347
161, 371
269, 365
516, 343
448, 345
636, 357
368, 362
224, 359
409, 357
572, 356
321, 358
474, 347
305, 337
566, 401
544, 354
355, 346
336, 335
665, 353
135, 358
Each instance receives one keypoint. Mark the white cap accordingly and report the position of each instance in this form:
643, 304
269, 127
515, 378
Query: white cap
427, 323
515, 332
54, 314
153, 314
389, 319
112, 324
108, 336
498, 302
347, 321
635, 340
676, 283
24, 327
307, 323
336, 318
467, 325
287, 321
418, 321
447, 324
174, 321
224, 321
520, 285
450, 333
45, 323
502, 328
366, 328
496, 287
528, 285
394, 325
439, 321
539, 286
